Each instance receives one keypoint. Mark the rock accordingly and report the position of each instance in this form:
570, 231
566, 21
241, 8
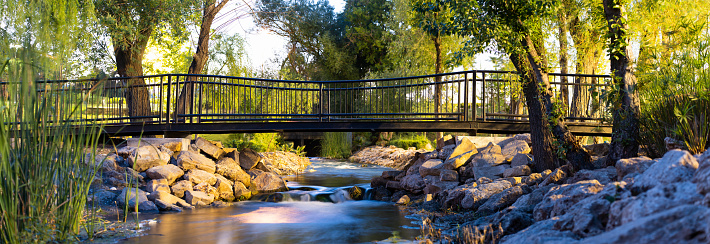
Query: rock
514, 180
393, 157
378, 181
164, 206
590, 216
521, 159
209, 148
655, 200
541, 232
248, 159
413, 183
632, 165
491, 172
381, 193
105, 162
168, 198
675, 166
266, 182
391, 174
556, 177
157, 185
601, 149
431, 167
514, 148
533, 179
527, 202
431, 189
146, 157
173, 144
702, 175
673, 144
394, 185
125, 152
104, 197
404, 200
681, 224
483, 180
231, 169
188, 160
231, 153
448, 175
356, 193
510, 220
603, 175
198, 198
283, 163
168, 172
225, 191
487, 159
206, 188
179, 188
134, 177
477, 196
502, 200
147, 207
522, 170
241, 192
197, 176
561, 198
446, 151
461, 153
135, 196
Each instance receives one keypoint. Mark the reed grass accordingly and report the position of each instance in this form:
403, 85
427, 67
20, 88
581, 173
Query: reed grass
45, 169
336, 145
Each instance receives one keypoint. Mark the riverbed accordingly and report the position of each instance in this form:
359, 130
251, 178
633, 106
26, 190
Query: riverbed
297, 219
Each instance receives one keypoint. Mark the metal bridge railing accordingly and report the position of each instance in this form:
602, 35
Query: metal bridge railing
181, 98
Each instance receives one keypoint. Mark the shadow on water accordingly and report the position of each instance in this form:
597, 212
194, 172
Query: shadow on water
291, 221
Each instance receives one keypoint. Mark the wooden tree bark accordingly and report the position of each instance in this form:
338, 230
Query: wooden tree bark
625, 131
437, 93
546, 124
129, 63
589, 50
199, 60
564, 91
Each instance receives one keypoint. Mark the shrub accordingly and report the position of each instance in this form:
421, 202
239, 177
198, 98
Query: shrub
410, 140
261, 142
681, 117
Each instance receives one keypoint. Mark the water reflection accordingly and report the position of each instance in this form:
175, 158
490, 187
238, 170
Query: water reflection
292, 221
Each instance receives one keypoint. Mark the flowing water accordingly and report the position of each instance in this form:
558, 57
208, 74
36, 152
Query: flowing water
299, 218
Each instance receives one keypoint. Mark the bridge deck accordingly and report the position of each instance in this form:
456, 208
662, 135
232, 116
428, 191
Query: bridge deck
469, 101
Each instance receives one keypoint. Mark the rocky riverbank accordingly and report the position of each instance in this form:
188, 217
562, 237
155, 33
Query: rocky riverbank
466, 192
175, 174
391, 156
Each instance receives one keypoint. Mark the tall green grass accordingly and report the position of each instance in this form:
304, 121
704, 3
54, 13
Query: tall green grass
407, 140
44, 166
336, 145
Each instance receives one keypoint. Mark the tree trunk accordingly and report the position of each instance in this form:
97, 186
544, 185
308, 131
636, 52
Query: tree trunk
129, 63
437, 92
564, 91
545, 123
201, 54
625, 131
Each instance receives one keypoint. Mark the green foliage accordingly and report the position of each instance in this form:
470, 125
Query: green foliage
682, 117
407, 140
336, 145
261, 142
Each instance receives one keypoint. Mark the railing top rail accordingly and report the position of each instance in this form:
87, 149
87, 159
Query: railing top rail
315, 82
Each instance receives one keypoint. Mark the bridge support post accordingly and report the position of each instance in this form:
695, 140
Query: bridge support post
472, 132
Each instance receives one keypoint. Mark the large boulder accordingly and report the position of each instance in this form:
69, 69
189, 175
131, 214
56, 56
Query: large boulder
198, 198
603, 175
180, 187
521, 159
188, 160
168, 172
231, 169
209, 148
527, 202
206, 188
168, 198
197, 176
502, 200
656, 199
601, 149
590, 216
629, 166
521, 170
266, 182
225, 191
675, 166
431, 167
490, 172
561, 198
157, 185
514, 148
173, 144
241, 192
702, 175
478, 195
413, 183
541, 232
284, 163
677, 224
249, 158
135, 196
146, 157
510, 220
461, 153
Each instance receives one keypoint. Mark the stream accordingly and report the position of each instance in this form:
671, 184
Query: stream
299, 218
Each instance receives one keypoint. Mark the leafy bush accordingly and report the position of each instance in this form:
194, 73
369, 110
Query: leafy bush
336, 145
410, 140
683, 117
261, 142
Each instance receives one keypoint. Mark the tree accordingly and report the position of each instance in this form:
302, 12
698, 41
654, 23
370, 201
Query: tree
210, 8
130, 24
625, 131
515, 27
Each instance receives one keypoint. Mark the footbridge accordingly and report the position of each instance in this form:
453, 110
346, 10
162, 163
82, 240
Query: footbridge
477, 101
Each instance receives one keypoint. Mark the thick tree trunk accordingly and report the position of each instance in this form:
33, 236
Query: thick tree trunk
564, 91
201, 54
625, 131
545, 123
437, 92
586, 64
129, 63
